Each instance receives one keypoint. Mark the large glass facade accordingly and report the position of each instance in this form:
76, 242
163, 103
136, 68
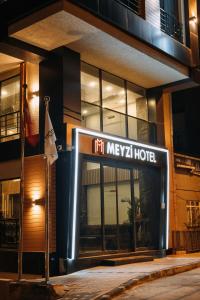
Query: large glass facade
9, 212
119, 207
113, 105
10, 109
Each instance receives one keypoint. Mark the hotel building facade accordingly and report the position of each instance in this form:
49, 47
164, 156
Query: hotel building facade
110, 69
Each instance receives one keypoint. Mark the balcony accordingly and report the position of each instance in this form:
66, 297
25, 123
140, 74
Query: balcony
9, 126
116, 123
170, 25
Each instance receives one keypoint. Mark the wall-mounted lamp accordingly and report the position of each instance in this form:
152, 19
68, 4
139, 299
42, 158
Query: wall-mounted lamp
193, 19
35, 94
38, 201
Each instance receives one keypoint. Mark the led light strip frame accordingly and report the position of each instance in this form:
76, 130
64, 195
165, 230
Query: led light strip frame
78, 131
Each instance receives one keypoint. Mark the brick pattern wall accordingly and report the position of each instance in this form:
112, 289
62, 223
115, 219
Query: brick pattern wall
34, 215
152, 11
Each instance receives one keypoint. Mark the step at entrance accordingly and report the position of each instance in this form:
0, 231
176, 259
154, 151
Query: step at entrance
125, 260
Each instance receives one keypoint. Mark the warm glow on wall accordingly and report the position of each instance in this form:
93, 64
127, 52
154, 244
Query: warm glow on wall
33, 95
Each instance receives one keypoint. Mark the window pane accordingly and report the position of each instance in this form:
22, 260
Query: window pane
9, 212
90, 115
124, 197
10, 90
9, 109
90, 208
90, 84
132, 128
114, 123
137, 104
138, 129
113, 93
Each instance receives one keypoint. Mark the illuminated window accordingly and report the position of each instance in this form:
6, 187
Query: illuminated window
10, 109
9, 212
114, 105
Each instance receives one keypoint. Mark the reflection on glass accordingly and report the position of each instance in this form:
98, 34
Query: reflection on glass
10, 90
113, 93
124, 196
90, 208
132, 128
114, 122
9, 109
9, 213
136, 102
147, 206
138, 129
110, 209
90, 84
90, 116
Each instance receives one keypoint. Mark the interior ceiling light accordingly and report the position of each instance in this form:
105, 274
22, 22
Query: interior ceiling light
108, 88
4, 93
84, 112
92, 84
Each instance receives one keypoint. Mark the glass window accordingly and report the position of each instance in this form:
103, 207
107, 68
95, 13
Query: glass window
136, 102
10, 109
10, 90
90, 208
147, 201
113, 93
120, 108
114, 122
90, 91
9, 212
90, 116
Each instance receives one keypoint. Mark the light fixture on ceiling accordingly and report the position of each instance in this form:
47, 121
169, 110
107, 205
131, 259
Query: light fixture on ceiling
108, 88
92, 84
85, 111
4, 93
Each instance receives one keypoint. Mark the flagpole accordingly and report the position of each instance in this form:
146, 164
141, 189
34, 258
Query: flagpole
46, 100
22, 141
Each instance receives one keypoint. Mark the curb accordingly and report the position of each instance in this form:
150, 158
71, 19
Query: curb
143, 279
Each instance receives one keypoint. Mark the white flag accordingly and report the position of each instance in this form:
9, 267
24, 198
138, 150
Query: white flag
50, 149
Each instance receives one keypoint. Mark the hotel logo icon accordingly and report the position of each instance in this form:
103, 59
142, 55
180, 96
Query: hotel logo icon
99, 146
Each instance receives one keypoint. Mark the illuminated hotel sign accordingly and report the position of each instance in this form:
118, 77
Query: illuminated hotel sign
103, 147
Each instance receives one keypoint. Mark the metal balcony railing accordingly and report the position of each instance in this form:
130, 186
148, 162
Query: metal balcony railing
171, 26
114, 122
134, 5
9, 126
9, 233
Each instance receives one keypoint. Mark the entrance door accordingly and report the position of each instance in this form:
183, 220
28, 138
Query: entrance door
118, 209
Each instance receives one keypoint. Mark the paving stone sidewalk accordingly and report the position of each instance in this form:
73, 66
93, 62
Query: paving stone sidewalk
105, 282
99, 282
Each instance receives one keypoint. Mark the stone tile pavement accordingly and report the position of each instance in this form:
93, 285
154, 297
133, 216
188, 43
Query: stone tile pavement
105, 282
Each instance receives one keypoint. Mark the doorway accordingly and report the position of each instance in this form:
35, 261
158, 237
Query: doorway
119, 207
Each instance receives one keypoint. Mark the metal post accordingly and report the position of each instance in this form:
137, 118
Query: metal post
47, 222
47, 99
22, 139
